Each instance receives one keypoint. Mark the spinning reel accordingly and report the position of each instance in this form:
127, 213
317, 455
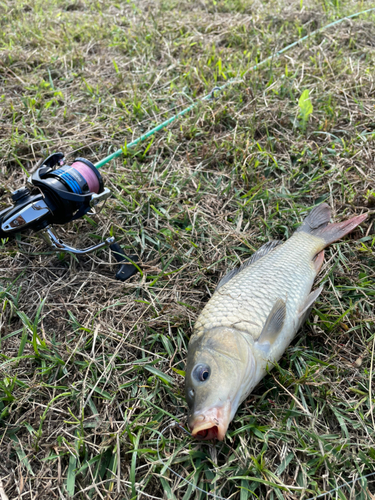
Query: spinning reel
57, 196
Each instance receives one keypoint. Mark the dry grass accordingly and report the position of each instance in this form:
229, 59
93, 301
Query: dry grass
82, 407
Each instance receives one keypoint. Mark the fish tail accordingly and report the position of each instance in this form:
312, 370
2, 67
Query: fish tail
334, 232
317, 224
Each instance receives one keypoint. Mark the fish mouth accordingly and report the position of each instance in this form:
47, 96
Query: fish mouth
212, 423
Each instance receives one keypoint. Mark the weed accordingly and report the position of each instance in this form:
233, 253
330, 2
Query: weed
305, 109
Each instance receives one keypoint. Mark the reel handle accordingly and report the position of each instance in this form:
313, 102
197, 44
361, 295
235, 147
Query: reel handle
126, 269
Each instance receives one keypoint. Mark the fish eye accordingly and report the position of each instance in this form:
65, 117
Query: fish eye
201, 373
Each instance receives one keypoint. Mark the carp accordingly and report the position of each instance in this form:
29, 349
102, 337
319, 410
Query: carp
250, 320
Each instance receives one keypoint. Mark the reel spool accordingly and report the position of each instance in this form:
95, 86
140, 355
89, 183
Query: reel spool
55, 196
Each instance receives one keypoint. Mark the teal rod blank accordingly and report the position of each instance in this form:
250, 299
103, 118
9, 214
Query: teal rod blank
209, 96
148, 134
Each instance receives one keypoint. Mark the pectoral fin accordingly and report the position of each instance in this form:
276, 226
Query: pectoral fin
274, 323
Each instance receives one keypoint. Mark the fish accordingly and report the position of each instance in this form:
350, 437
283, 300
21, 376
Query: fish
250, 320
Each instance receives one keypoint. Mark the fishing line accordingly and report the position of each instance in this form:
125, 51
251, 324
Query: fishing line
176, 424
215, 90
342, 486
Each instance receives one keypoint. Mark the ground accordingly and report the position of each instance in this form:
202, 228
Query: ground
91, 371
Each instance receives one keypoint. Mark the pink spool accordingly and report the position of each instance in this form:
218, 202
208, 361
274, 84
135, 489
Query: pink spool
88, 175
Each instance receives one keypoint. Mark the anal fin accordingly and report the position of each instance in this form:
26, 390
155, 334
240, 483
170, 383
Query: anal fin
318, 261
311, 298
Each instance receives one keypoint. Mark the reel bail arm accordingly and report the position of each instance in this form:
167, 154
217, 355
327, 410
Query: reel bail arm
52, 240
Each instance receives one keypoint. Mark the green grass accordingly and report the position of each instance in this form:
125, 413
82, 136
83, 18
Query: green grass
91, 369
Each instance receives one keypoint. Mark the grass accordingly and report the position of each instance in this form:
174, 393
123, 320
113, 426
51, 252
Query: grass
91, 369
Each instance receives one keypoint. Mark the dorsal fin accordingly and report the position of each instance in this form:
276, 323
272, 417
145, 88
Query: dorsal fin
263, 250
274, 323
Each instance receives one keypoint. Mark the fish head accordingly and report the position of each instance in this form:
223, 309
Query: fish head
219, 374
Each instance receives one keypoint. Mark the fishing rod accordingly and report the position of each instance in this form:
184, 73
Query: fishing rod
58, 193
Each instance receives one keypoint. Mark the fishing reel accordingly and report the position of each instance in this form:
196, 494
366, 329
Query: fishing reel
58, 194
55, 196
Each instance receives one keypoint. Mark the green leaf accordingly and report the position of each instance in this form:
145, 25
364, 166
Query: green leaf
21, 454
133, 465
164, 377
71, 476
305, 106
23, 342
180, 372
